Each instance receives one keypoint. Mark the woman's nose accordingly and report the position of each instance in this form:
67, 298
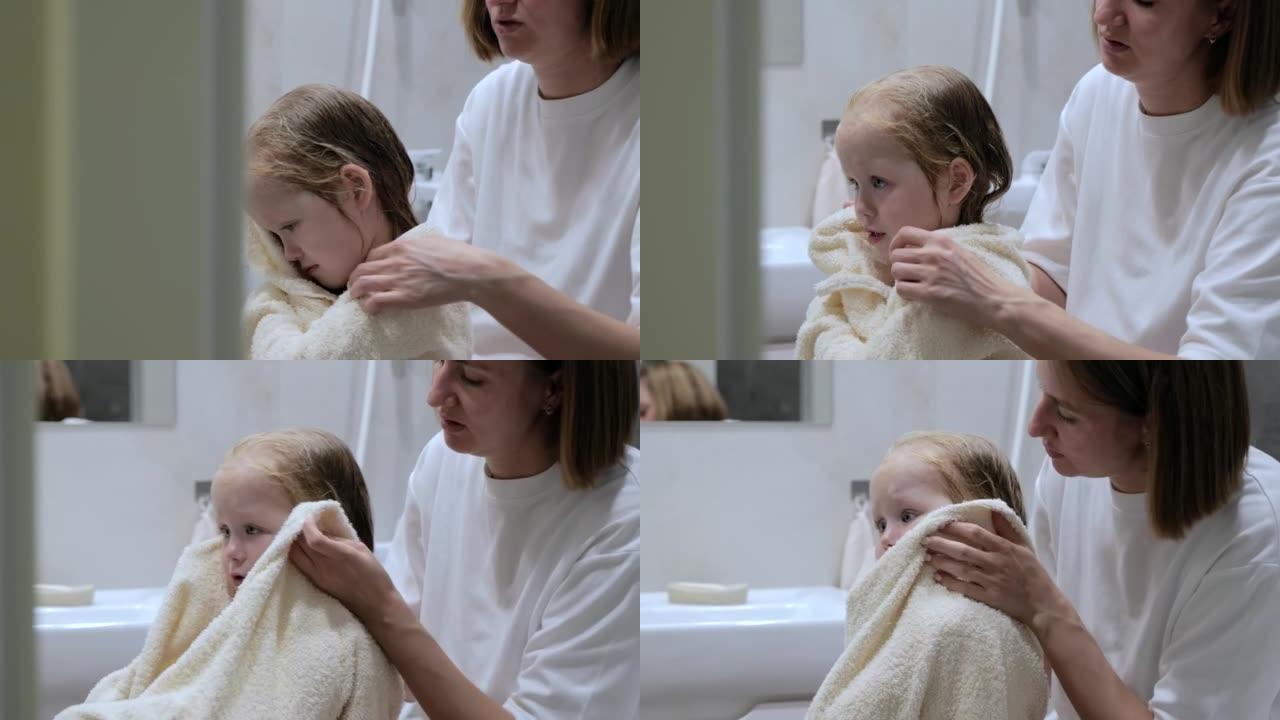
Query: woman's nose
441, 385
1038, 425
1106, 13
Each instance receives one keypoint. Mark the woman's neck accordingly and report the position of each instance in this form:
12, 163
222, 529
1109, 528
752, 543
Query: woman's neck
522, 463
571, 75
1129, 483
1175, 95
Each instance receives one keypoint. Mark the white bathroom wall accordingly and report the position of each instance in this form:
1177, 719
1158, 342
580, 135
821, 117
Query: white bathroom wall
116, 503
769, 504
1046, 47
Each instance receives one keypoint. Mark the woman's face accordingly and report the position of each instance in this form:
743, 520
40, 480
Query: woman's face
888, 188
322, 243
1159, 43
492, 408
648, 413
1082, 436
539, 31
903, 489
249, 510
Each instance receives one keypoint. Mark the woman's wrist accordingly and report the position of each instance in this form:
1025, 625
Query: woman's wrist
1012, 310
494, 279
1052, 615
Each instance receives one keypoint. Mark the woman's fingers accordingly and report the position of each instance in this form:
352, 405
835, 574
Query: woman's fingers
909, 273
369, 284
909, 237
376, 302
1005, 529
972, 535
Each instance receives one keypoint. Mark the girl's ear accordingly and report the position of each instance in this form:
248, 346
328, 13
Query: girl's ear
360, 183
958, 182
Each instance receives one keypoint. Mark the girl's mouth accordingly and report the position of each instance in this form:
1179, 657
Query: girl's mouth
237, 579
875, 237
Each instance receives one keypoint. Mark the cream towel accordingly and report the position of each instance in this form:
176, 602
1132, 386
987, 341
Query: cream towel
281, 649
914, 649
857, 315
291, 318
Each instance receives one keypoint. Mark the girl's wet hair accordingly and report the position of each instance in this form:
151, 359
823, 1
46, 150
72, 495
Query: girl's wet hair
972, 467
308, 135
937, 114
310, 465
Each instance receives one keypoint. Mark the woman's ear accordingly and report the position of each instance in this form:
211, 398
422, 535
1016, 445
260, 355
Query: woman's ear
959, 180
554, 395
360, 183
1222, 19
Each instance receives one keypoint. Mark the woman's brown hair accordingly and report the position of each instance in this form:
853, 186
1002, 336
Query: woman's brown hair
681, 392
971, 466
937, 114
309, 465
613, 25
308, 135
56, 397
598, 410
1197, 420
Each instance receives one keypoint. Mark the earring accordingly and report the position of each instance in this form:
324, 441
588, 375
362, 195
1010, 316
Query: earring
548, 409
1212, 39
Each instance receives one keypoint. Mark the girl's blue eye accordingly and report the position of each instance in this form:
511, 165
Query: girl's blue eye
224, 531
880, 525
252, 530
908, 515
290, 226
878, 183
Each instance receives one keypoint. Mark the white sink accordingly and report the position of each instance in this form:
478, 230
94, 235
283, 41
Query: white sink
77, 646
787, 277
706, 662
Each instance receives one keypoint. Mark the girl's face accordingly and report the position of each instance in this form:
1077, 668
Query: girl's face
539, 32
648, 413
903, 488
1158, 41
888, 188
1082, 436
493, 409
249, 510
324, 243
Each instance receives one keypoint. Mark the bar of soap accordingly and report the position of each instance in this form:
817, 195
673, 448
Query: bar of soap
692, 593
64, 595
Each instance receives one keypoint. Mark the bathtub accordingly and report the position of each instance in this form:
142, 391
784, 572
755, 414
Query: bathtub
763, 659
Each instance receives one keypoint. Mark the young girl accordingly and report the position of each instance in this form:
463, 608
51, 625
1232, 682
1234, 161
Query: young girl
241, 632
913, 648
329, 181
921, 148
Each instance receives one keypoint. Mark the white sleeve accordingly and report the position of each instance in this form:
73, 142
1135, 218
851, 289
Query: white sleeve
453, 211
407, 557
1235, 300
1049, 226
1041, 529
634, 317
1223, 649
583, 661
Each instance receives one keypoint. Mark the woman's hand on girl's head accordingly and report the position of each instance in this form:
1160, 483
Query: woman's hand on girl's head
343, 568
422, 268
929, 267
999, 569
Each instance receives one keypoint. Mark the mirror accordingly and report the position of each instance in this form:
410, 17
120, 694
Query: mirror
735, 391
85, 392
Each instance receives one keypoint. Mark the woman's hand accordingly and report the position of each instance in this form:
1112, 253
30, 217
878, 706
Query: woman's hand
929, 267
999, 569
422, 268
344, 568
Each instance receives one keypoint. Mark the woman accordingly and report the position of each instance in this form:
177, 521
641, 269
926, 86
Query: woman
537, 221
1154, 232
514, 572
1154, 595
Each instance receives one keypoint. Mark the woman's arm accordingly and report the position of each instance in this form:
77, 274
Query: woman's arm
929, 267
422, 268
1000, 570
348, 571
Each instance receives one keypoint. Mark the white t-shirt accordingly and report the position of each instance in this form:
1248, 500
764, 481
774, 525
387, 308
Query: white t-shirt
531, 589
1164, 231
1191, 626
554, 185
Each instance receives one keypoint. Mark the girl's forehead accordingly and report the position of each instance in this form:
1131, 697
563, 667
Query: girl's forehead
867, 144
